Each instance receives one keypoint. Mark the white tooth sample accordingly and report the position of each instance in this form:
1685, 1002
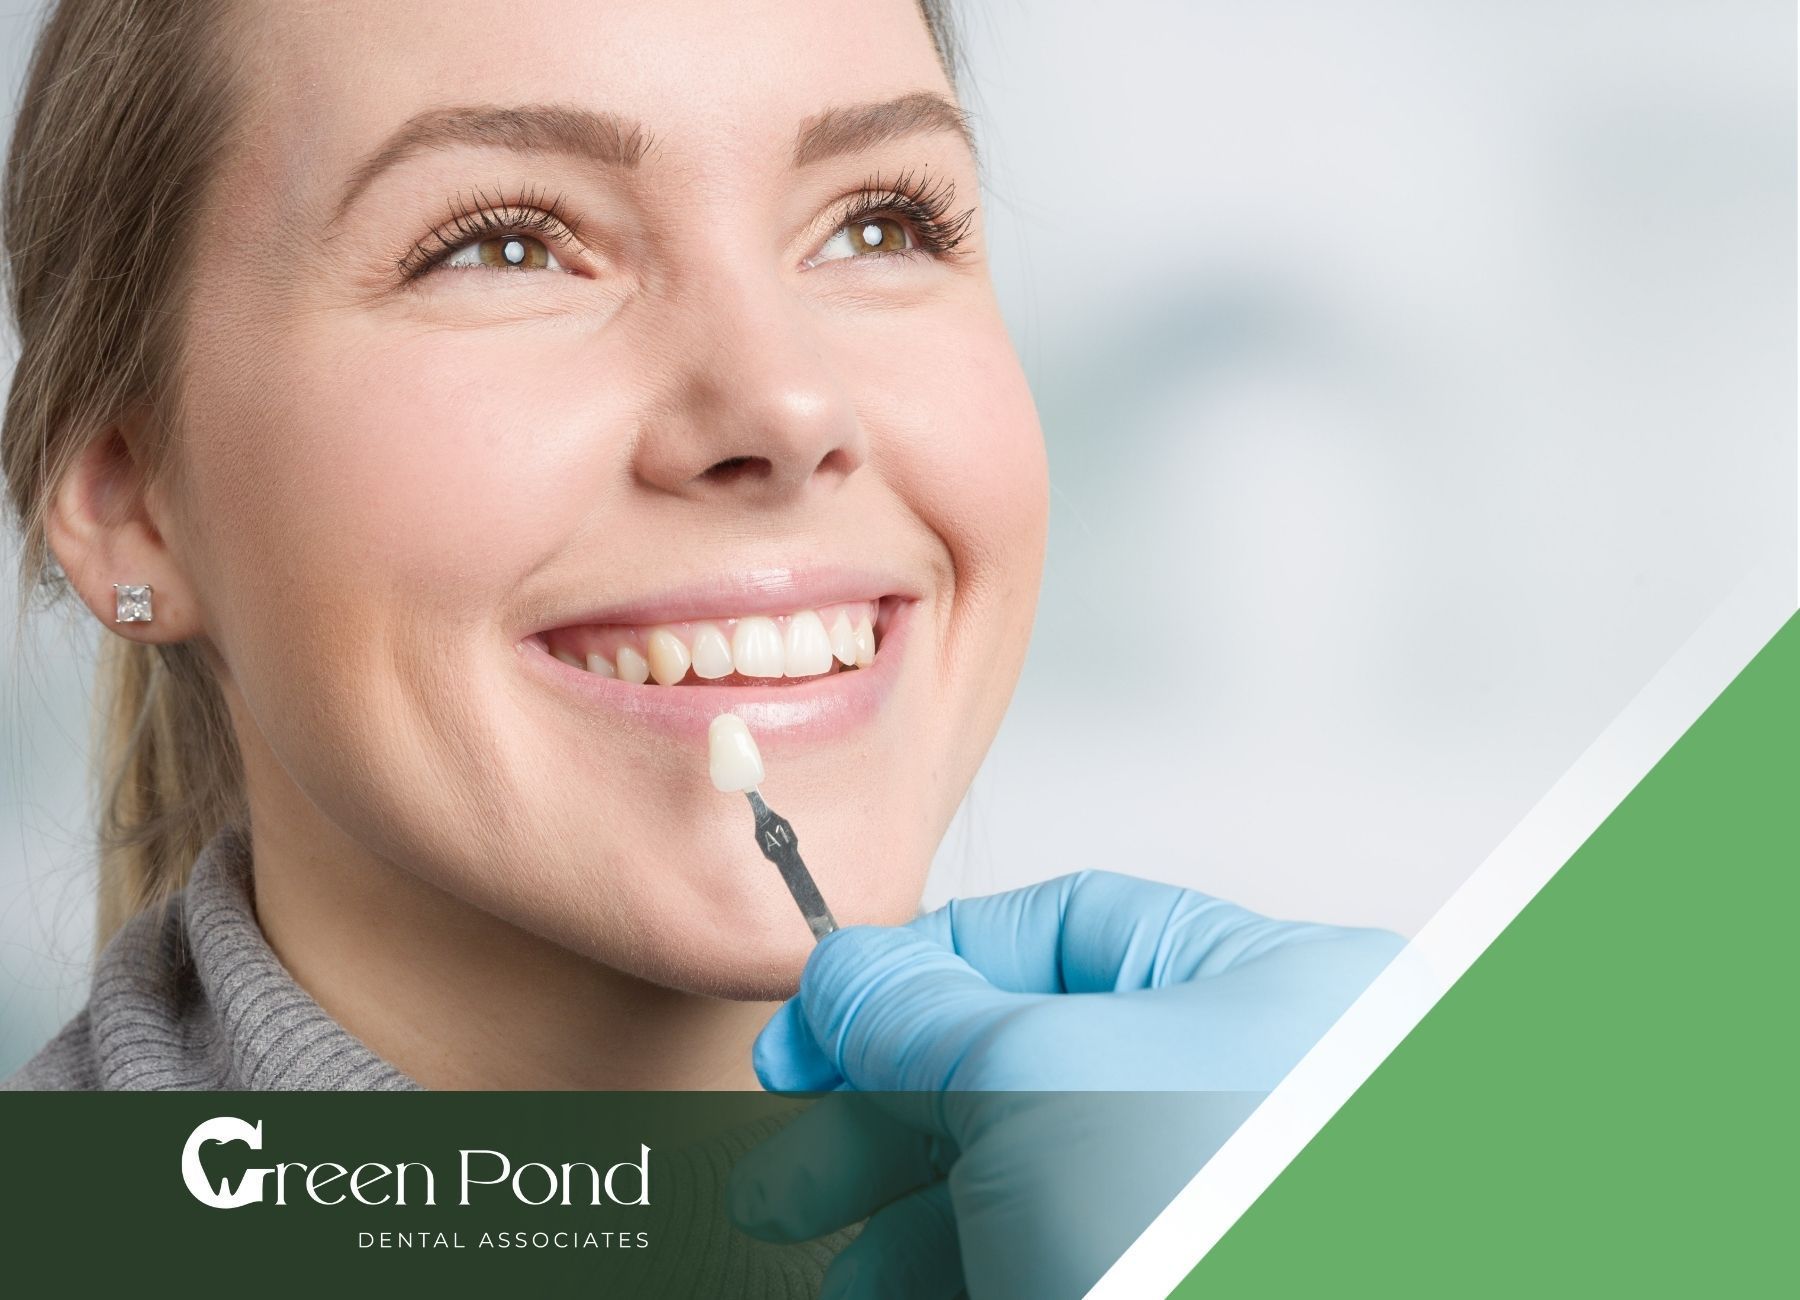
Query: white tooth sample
843, 639
865, 643
633, 667
569, 657
808, 648
756, 648
668, 657
600, 666
712, 652
731, 751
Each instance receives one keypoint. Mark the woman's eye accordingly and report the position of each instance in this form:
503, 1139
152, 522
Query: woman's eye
866, 235
505, 252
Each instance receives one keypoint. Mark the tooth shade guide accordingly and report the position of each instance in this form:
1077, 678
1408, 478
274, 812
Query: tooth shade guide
733, 761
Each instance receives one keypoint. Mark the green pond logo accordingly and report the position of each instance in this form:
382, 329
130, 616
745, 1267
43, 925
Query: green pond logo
217, 1165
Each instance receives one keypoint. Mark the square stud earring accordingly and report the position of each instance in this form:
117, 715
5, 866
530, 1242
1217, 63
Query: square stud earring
133, 604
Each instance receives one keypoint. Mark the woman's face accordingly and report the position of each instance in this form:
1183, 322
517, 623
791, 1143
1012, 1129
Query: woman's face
520, 333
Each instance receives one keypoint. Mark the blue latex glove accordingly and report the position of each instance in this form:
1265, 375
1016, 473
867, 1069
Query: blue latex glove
1094, 980
981, 1031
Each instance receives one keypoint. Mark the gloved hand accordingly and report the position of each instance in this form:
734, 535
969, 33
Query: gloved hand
1193, 993
975, 1026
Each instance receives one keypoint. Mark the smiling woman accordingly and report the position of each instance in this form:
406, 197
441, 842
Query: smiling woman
485, 411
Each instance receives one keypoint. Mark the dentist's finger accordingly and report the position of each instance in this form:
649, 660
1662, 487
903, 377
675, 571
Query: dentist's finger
1103, 932
893, 1011
785, 1057
841, 1160
907, 1251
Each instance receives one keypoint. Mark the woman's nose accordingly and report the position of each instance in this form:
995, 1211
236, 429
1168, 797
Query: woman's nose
754, 404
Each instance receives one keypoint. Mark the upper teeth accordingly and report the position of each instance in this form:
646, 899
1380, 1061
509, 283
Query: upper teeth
806, 643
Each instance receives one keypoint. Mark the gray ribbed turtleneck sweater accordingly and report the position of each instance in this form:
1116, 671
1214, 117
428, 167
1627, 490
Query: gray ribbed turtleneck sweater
191, 996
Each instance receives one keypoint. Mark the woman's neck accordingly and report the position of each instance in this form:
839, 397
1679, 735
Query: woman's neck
458, 998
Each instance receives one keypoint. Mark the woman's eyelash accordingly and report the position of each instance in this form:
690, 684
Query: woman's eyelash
482, 218
926, 206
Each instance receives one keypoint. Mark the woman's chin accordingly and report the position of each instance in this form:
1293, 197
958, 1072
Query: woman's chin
741, 968
741, 937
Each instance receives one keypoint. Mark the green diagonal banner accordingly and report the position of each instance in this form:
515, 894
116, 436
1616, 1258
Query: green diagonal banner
1604, 1103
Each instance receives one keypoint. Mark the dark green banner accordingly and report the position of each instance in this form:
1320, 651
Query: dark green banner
631, 1194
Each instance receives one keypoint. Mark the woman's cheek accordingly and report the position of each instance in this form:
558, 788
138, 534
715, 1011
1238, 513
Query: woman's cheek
389, 484
447, 453
982, 475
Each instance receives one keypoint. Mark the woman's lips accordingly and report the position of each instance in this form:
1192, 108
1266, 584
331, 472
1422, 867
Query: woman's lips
780, 712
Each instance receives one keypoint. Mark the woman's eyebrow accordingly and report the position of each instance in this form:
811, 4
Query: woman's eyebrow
617, 141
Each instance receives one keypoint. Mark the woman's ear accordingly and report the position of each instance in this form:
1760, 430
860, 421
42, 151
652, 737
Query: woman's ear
103, 530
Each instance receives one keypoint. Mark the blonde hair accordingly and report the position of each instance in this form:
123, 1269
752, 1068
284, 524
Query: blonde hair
126, 110
123, 115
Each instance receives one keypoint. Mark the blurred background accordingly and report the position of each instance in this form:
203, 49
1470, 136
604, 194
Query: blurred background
1416, 376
